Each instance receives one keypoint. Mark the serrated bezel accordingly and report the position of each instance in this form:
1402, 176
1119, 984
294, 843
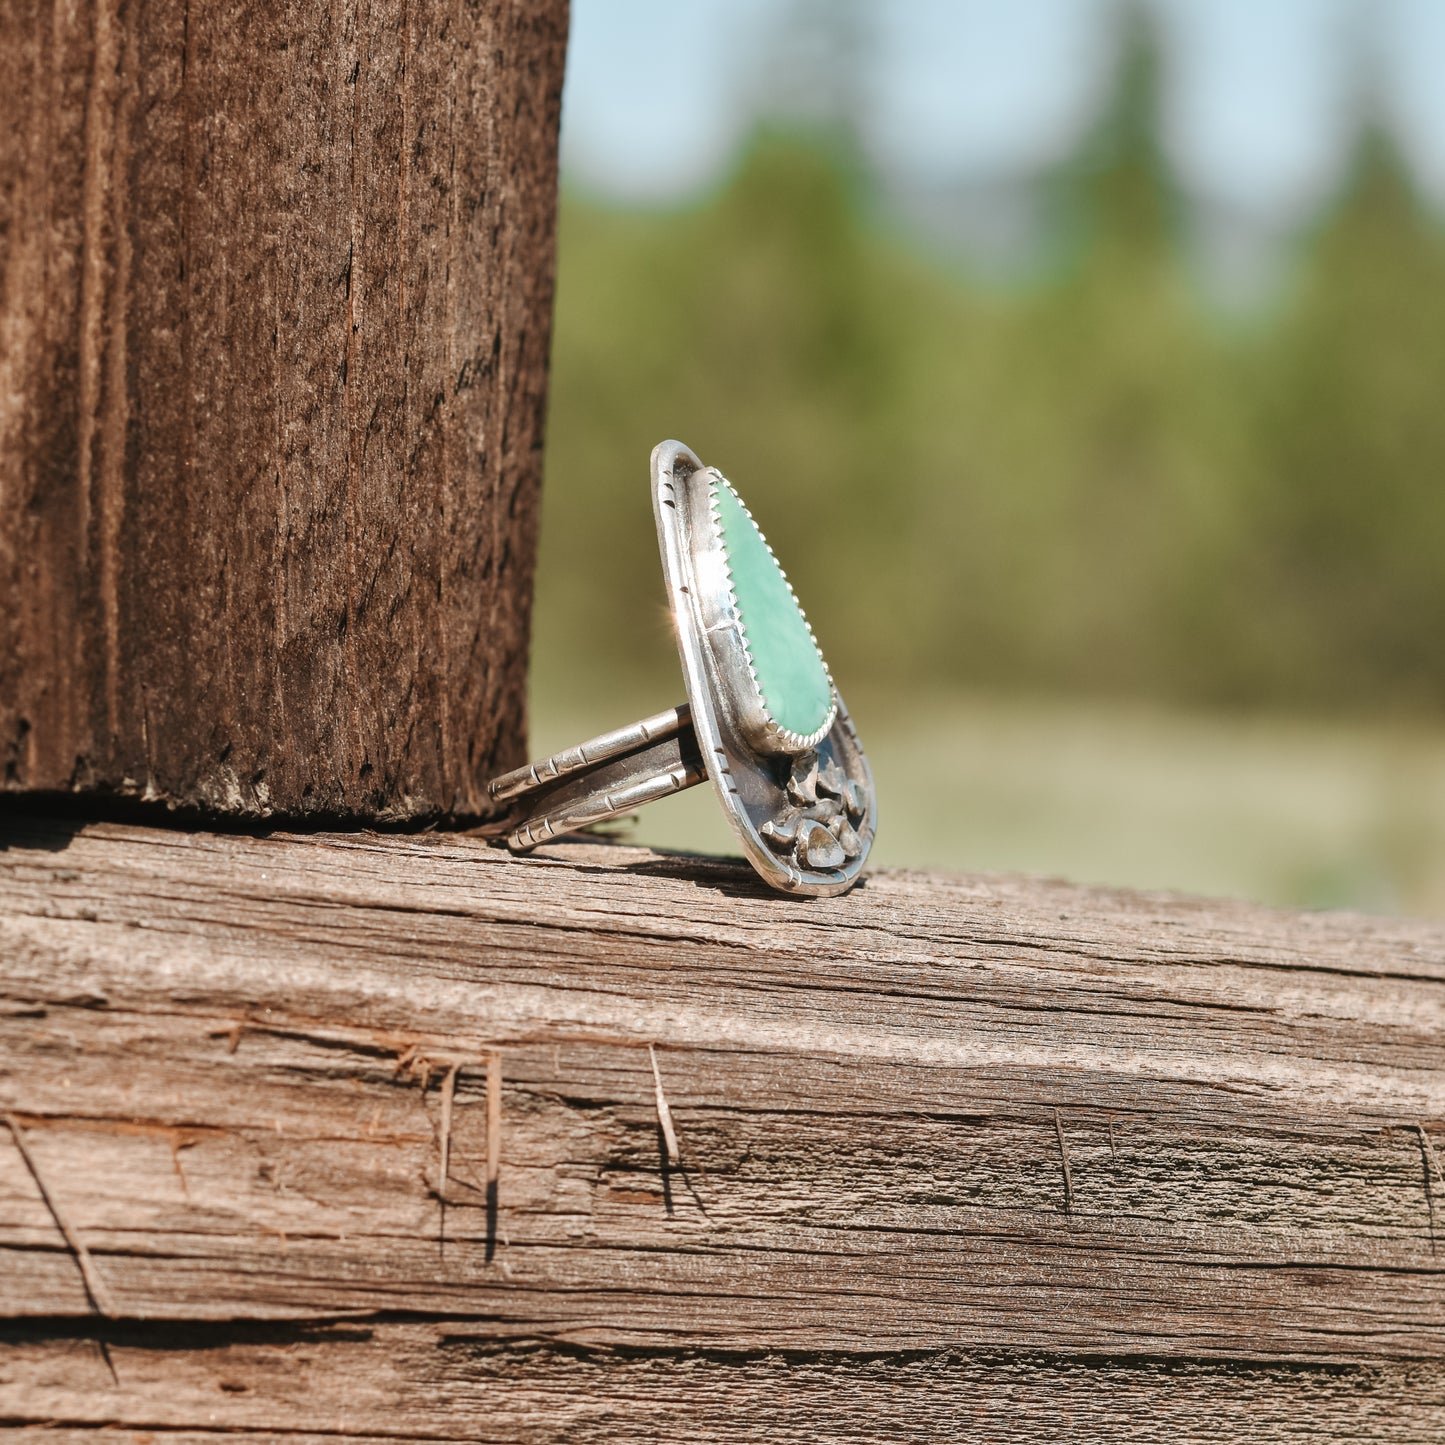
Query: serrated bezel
742, 690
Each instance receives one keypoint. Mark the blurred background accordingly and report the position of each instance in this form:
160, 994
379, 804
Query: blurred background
1084, 362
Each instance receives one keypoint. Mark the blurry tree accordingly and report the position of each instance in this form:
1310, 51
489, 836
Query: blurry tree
1092, 482
1348, 520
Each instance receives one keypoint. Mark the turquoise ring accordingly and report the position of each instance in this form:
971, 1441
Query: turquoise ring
763, 720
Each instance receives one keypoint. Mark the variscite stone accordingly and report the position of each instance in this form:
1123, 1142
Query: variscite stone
797, 692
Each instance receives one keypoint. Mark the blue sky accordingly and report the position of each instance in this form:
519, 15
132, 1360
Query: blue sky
1262, 100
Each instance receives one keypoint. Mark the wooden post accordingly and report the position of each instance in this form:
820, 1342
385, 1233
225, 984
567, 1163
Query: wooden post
273, 342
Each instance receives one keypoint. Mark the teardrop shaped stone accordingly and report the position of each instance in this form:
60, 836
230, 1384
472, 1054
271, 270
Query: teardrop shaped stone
797, 692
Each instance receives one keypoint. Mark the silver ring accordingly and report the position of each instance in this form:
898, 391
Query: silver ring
763, 719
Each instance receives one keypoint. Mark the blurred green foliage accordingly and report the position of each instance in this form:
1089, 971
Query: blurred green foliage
1091, 482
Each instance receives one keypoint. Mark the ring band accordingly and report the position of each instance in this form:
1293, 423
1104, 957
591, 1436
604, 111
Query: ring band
764, 720
604, 777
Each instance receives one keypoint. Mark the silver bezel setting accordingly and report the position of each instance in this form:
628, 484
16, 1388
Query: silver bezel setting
747, 755
746, 700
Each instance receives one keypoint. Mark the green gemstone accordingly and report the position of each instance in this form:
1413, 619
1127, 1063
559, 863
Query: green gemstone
792, 678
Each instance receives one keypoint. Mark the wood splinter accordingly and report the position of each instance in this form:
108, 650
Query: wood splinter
1432, 1171
95, 1287
664, 1114
494, 1116
449, 1090
1064, 1155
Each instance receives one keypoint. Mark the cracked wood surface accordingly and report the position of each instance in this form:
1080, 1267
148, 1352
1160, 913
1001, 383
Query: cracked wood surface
275, 296
440, 1381
953, 1135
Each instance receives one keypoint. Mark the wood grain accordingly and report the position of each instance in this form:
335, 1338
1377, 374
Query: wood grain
275, 289
226, 1055
380, 1380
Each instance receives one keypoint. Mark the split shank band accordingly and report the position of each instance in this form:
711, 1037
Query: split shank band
603, 778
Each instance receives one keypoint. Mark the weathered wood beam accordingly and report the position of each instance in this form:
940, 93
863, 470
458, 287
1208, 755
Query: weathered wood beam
934, 1120
275, 293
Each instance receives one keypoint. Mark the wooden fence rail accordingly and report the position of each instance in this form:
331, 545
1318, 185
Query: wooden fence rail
980, 1157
